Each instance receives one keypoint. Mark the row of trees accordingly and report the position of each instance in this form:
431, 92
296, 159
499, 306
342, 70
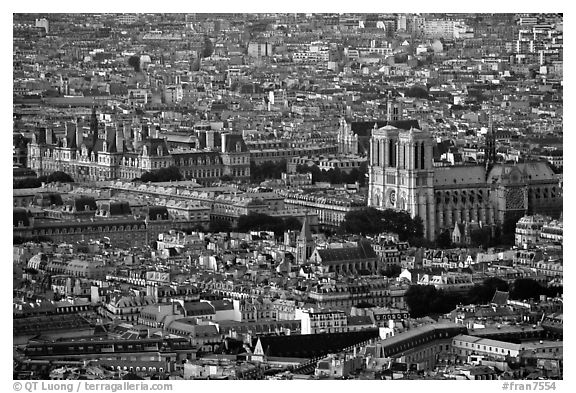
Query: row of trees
483, 237
371, 221
161, 175
54, 177
335, 175
423, 300
267, 170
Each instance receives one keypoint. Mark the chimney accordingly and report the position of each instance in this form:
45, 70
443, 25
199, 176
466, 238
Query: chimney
119, 140
127, 132
107, 132
224, 138
49, 136
79, 135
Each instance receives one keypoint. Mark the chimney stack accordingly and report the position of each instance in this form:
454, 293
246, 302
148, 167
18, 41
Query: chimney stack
79, 135
119, 140
49, 136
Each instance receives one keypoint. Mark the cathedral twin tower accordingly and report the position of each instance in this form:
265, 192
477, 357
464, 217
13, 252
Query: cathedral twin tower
401, 173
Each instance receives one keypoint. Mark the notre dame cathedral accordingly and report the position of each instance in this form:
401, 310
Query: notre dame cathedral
403, 176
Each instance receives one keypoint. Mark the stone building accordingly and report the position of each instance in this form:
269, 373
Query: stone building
402, 176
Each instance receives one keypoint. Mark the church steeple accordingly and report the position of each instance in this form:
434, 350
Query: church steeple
490, 151
304, 243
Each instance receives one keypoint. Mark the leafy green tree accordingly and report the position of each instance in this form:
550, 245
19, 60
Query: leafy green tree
371, 221
134, 61
392, 271
417, 92
444, 240
292, 224
483, 293
481, 237
526, 288
219, 226
424, 300
59, 176
207, 48
162, 175
267, 170
26, 183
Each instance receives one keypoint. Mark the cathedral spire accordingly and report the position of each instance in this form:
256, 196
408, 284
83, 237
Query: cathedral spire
490, 151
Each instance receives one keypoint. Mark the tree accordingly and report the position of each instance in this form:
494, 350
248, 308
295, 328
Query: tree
219, 226
27, 183
444, 240
162, 175
481, 237
417, 92
260, 222
370, 221
483, 293
207, 48
526, 288
423, 300
267, 170
134, 61
392, 271
292, 224
60, 177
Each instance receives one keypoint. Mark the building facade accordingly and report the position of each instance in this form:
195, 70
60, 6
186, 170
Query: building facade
403, 177
127, 151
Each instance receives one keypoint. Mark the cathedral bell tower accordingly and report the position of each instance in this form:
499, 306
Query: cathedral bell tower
401, 173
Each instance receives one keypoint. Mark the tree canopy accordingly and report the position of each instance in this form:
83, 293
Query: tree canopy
483, 293
134, 61
423, 300
417, 92
267, 170
371, 221
162, 175
59, 176
335, 175
527, 288
219, 226
207, 48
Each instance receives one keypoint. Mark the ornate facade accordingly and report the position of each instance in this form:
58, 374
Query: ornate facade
402, 176
127, 151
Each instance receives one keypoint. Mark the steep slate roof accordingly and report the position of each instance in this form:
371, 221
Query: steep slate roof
458, 175
312, 345
231, 140
500, 298
362, 252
